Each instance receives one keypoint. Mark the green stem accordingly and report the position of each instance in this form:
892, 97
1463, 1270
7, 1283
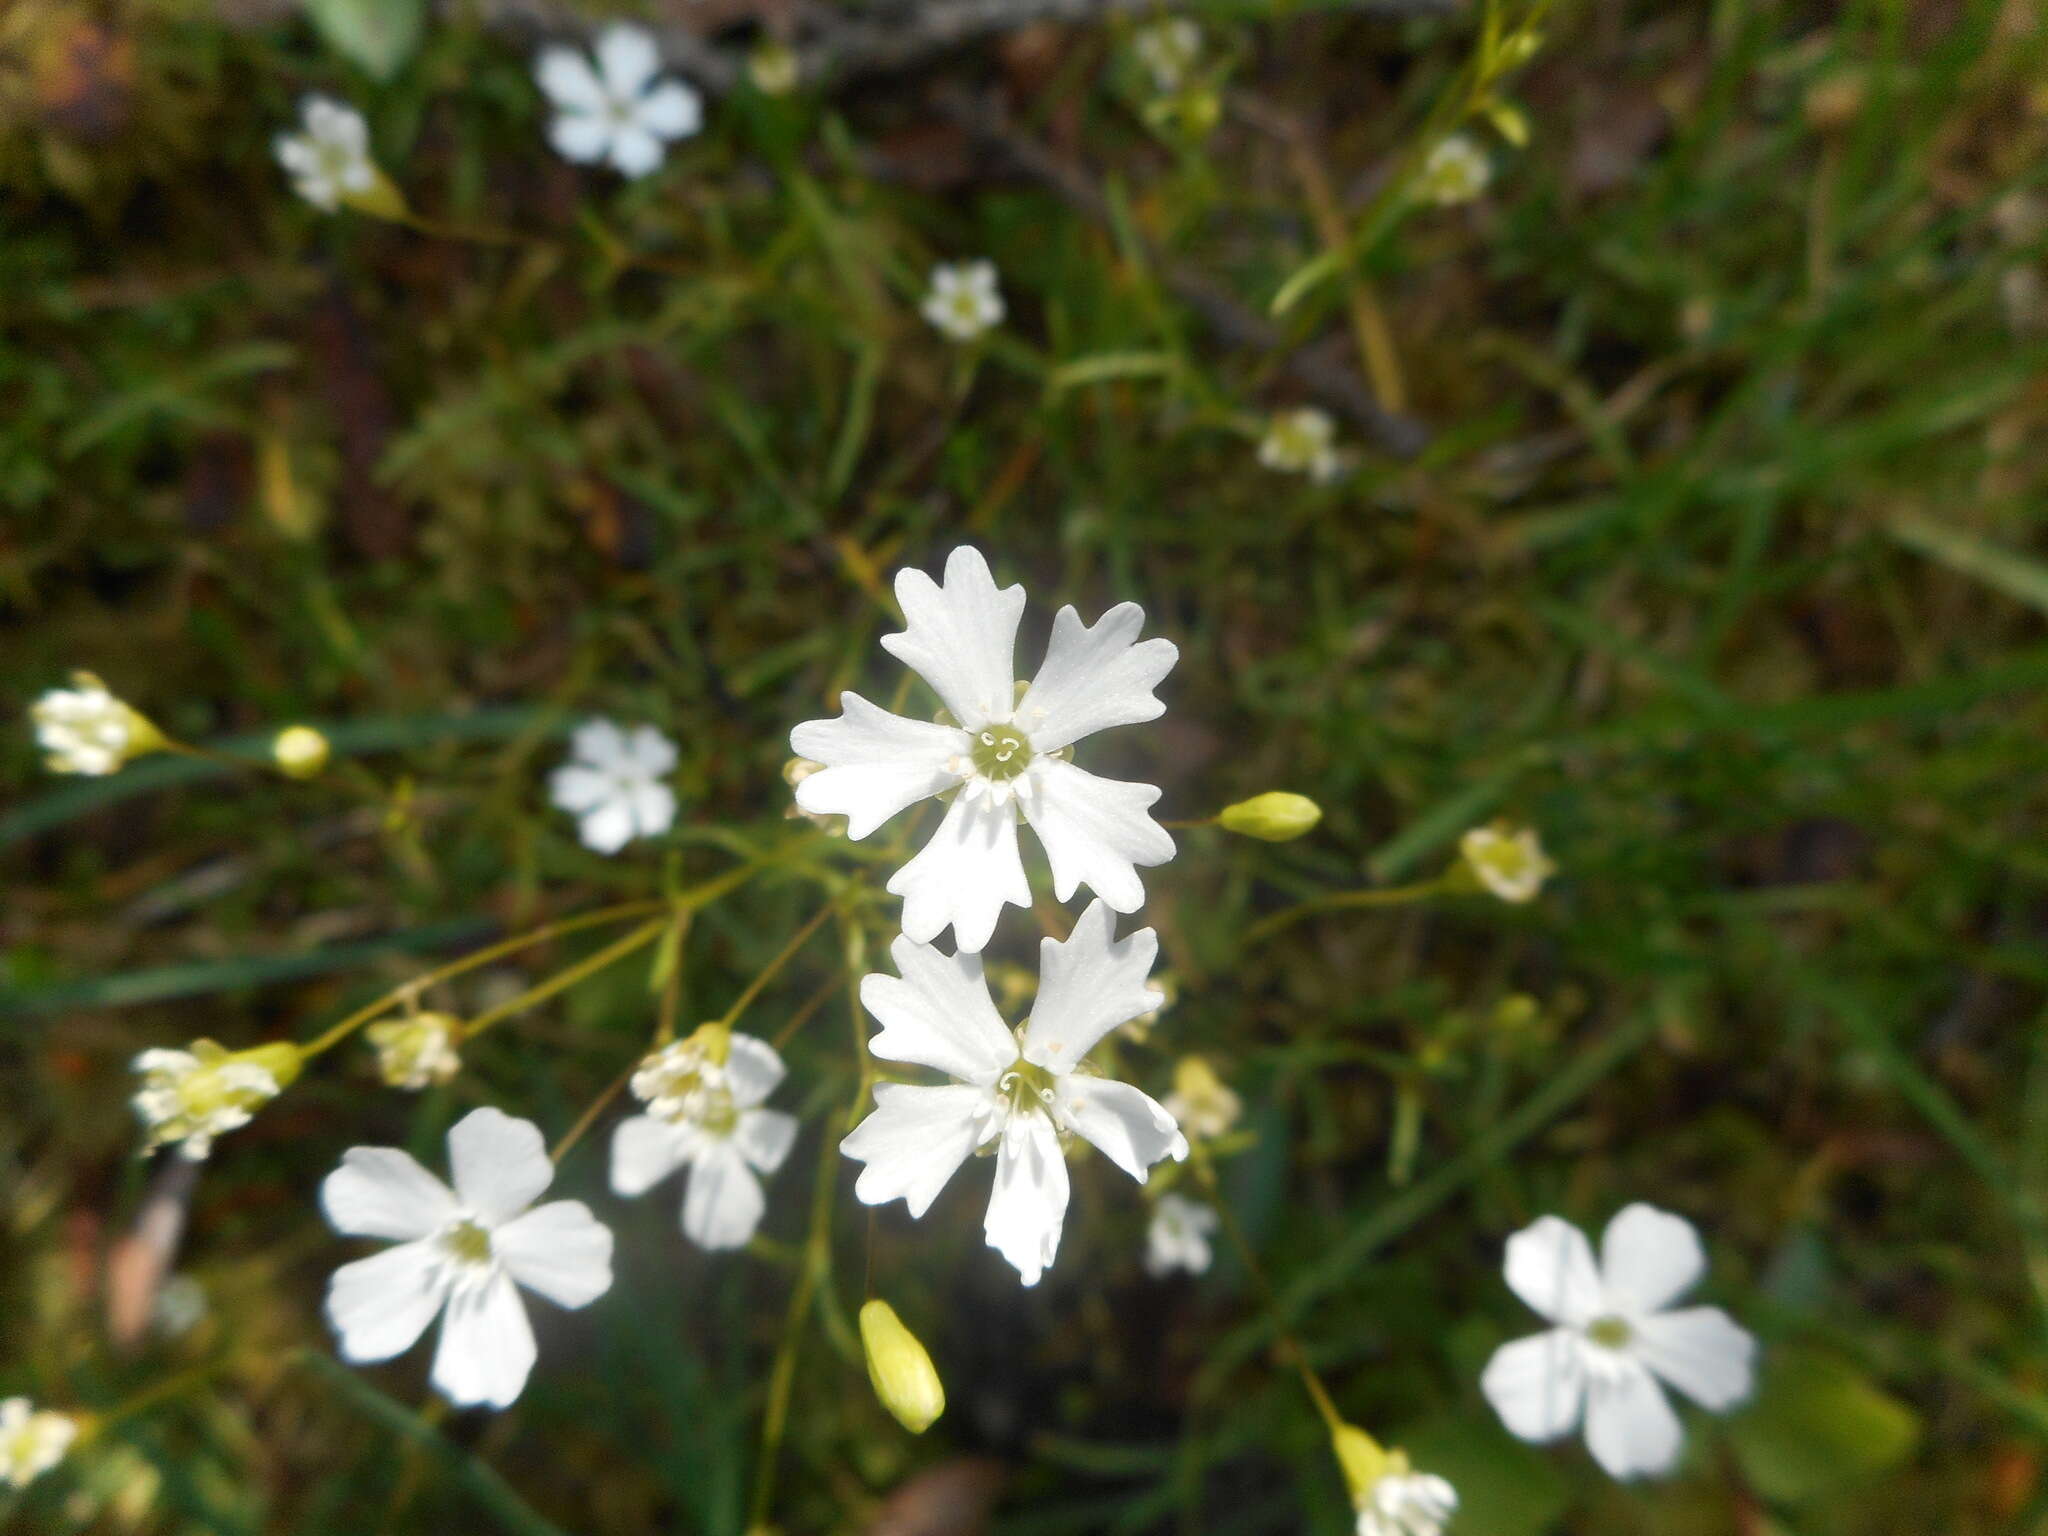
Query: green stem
768, 973
1388, 896
562, 980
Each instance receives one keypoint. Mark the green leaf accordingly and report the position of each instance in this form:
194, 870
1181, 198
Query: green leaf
1819, 1425
1962, 551
379, 35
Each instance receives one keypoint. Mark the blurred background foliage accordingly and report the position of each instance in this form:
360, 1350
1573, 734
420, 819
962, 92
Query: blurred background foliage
1708, 540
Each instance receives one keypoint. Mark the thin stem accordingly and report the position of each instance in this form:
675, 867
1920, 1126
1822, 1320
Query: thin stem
150, 1396
767, 975
589, 1116
1389, 896
397, 995
561, 981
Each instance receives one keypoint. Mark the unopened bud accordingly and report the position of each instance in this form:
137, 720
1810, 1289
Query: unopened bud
1508, 861
300, 752
418, 1050
86, 729
903, 1375
1274, 817
1363, 1459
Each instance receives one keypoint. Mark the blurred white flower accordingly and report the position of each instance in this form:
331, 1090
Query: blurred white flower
1510, 863
417, 1050
623, 110
31, 1441
1616, 1336
181, 1306
612, 784
85, 729
1178, 1237
1302, 442
461, 1255
1404, 1503
1022, 1092
195, 1095
329, 163
1168, 49
1203, 1104
703, 1098
1004, 754
963, 300
1456, 170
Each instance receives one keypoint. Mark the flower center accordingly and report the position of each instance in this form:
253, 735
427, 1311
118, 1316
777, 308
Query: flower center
467, 1244
1610, 1332
1027, 1087
1000, 753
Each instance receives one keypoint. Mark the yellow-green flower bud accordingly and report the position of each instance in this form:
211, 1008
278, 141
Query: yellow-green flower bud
418, 1050
772, 67
1508, 861
1201, 1103
1274, 817
1363, 1459
194, 1095
903, 1375
300, 752
86, 729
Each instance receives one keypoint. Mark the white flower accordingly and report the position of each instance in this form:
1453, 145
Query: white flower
1615, 1337
1456, 170
31, 1442
1511, 864
1022, 1093
195, 1095
461, 1255
620, 111
85, 729
963, 300
704, 1113
1302, 442
1403, 1503
330, 162
612, 784
1003, 758
1178, 1237
1168, 49
417, 1050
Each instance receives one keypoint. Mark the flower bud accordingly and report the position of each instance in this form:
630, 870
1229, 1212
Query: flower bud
418, 1050
194, 1095
1508, 861
903, 1376
772, 67
1201, 1103
1363, 1459
300, 752
1274, 817
32, 1440
85, 729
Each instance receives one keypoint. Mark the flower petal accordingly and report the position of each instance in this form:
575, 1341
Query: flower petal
1028, 1206
486, 1350
627, 58
1129, 1127
963, 876
635, 151
609, 827
671, 110
961, 637
649, 753
753, 1068
725, 1201
379, 1306
580, 136
1702, 1351
1648, 1259
500, 1164
1537, 1385
644, 1152
653, 809
938, 1015
1630, 1427
1096, 833
577, 788
876, 763
1094, 677
764, 1137
1087, 985
1550, 1266
560, 1251
566, 78
383, 1192
914, 1140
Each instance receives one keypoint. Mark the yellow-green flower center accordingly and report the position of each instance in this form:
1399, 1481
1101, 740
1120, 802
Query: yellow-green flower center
468, 1243
1610, 1332
1000, 752
1027, 1086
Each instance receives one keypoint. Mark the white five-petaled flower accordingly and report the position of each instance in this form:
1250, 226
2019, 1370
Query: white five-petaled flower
1615, 1338
1404, 1503
1178, 1237
1302, 442
1509, 863
704, 1113
462, 1255
623, 110
612, 784
1003, 753
330, 162
1021, 1093
31, 1441
963, 300
1168, 49
1456, 170
85, 729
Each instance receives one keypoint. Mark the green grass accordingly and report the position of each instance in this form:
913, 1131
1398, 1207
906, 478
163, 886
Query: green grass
1724, 565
